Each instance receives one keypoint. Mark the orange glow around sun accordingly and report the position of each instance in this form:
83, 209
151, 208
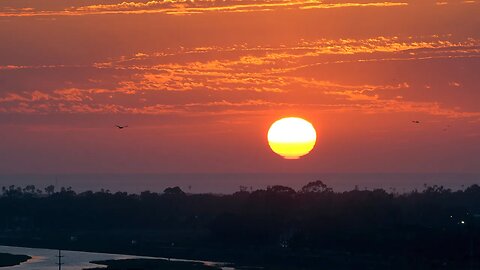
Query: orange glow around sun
292, 137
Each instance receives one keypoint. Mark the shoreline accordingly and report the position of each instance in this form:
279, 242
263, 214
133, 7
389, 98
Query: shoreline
151, 264
166, 253
8, 259
286, 261
130, 259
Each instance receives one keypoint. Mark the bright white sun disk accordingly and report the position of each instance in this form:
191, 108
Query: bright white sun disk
292, 137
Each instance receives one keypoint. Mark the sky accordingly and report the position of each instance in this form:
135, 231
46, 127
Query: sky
199, 83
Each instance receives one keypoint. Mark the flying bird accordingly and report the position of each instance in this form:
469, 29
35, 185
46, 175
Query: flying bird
121, 127
416, 121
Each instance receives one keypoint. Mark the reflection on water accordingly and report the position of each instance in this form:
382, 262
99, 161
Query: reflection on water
46, 259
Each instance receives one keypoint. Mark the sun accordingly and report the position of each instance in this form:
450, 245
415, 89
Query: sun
292, 137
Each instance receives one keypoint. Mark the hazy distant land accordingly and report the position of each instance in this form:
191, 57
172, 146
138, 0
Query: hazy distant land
228, 183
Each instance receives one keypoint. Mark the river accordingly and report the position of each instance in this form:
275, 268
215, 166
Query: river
46, 259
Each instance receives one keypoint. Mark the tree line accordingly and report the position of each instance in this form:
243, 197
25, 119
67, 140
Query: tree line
435, 223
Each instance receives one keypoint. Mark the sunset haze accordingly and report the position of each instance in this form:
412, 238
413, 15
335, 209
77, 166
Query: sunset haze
200, 82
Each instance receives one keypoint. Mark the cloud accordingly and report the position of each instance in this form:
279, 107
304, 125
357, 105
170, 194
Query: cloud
247, 78
183, 7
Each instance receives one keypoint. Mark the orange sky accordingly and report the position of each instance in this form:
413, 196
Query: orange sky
199, 82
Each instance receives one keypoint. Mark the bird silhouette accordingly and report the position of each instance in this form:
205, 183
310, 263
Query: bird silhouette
121, 127
416, 121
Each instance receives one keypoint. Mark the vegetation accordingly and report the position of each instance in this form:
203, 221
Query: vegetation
151, 264
278, 226
11, 260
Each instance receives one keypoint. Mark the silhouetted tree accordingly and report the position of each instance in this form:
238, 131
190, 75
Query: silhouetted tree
50, 189
174, 191
277, 189
437, 224
315, 187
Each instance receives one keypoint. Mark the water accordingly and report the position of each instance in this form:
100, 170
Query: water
230, 182
45, 259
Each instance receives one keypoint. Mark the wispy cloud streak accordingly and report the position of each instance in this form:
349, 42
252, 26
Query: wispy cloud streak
243, 79
184, 7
